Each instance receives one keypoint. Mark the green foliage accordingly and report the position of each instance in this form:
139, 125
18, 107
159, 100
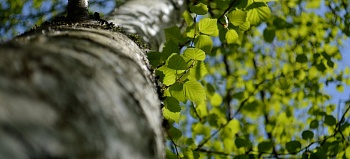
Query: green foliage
256, 91
246, 78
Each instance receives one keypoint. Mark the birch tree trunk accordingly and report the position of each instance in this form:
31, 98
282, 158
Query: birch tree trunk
79, 90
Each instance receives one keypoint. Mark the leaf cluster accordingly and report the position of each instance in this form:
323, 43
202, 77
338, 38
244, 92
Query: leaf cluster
242, 81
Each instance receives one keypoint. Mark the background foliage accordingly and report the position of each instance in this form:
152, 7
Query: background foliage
245, 79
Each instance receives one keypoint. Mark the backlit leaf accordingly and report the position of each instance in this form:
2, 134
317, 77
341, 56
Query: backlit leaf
208, 26
194, 91
176, 90
237, 17
177, 62
258, 12
195, 54
204, 43
231, 36
172, 116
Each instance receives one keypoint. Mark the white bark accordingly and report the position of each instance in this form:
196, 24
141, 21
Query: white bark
148, 18
77, 92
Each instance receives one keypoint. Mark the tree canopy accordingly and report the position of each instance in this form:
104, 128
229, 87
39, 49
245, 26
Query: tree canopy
247, 79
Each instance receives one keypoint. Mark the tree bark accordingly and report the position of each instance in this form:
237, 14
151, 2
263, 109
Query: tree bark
83, 90
148, 18
77, 91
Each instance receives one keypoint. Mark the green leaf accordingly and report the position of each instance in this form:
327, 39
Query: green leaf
245, 26
198, 71
329, 120
269, 34
301, 58
314, 124
171, 116
231, 36
244, 4
191, 31
204, 42
216, 100
208, 26
191, 154
210, 89
173, 34
154, 58
232, 128
194, 91
313, 4
170, 155
195, 54
340, 88
176, 90
170, 48
199, 9
293, 146
167, 75
188, 18
264, 0
307, 135
280, 23
172, 104
258, 12
237, 17
174, 133
177, 62
321, 67
240, 142
265, 146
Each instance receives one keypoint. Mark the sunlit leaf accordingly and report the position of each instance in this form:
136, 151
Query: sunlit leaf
167, 75
245, 26
204, 43
195, 54
188, 18
194, 91
177, 62
231, 36
198, 71
313, 4
208, 26
258, 12
177, 91
237, 17
171, 115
